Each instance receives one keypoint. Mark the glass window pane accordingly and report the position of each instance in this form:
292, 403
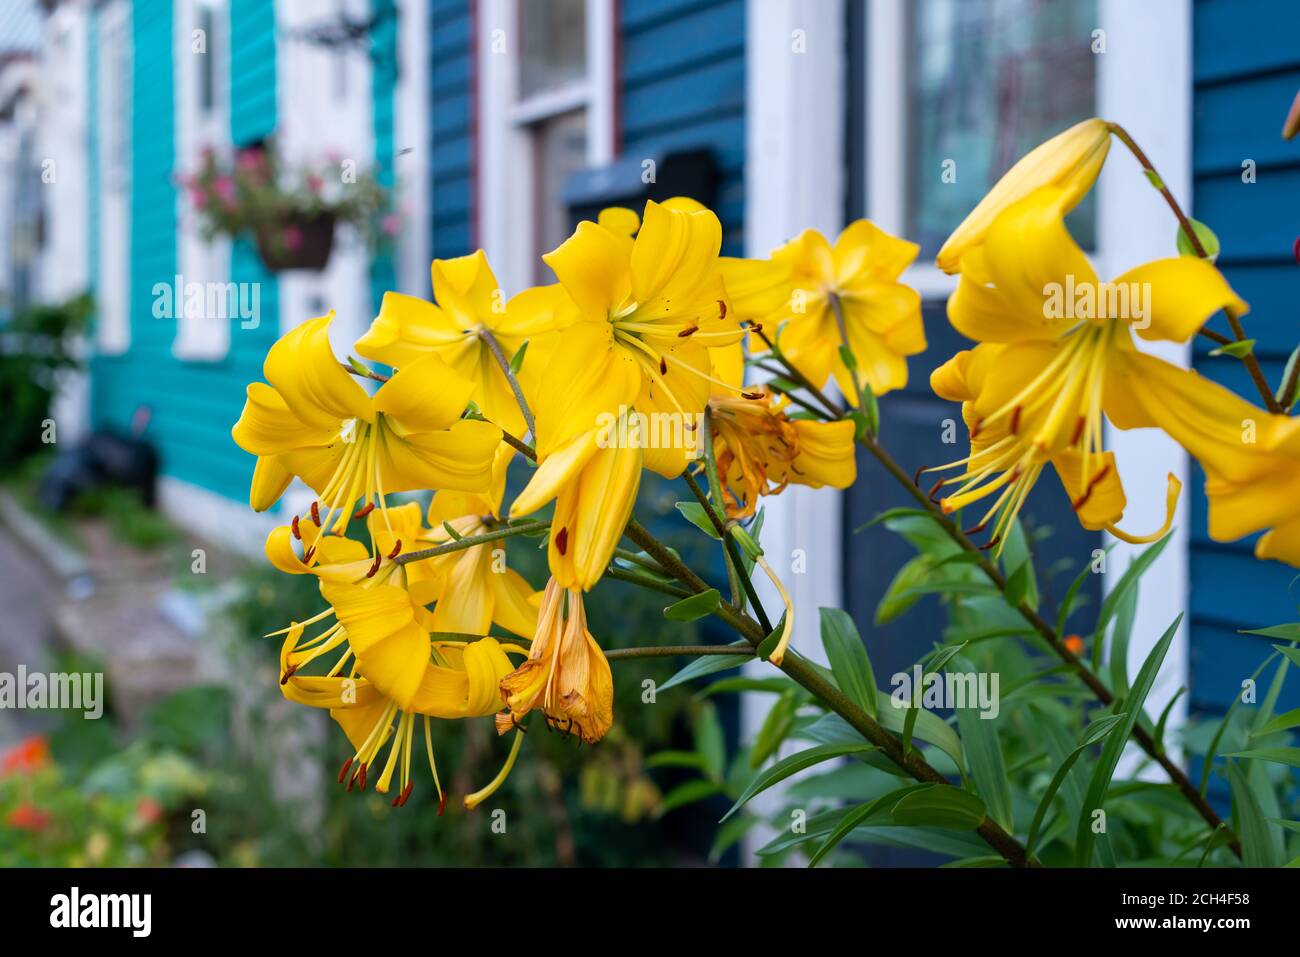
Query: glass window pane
560, 145
552, 46
991, 79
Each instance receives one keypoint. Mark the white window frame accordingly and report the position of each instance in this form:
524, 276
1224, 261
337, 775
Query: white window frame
113, 286
505, 201
411, 139
1143, 83
201, 338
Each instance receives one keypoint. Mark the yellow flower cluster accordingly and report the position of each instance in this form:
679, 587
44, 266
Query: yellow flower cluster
643, 356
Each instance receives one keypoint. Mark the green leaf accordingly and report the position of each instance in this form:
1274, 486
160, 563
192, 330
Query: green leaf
1091, 735
1258, 847
1285, 400
1164, 718
793, 764
1110, 753
927, 726
940, 805
1018, 562
855, 816
890, 514
1067, 603
979, 737
1291, 654
677, 759
728, 834
1289, 756
1238, 350
903, 592
1127, 581
695, 607
709, 741
697, 516
1209, 241
1283, 722
707, 665
848, 658
517, 360
1213, 749
776, 727
768, 644
1287, 632
688, 792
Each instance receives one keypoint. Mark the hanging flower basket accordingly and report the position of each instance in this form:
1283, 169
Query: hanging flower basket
301, 241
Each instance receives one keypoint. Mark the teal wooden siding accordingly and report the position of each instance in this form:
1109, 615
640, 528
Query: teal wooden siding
682, 85
1246, 67
451, 147
383, 87
92, 150
192, 404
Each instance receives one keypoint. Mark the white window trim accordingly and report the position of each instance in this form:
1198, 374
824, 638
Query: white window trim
201, 337
505, 201
414, 246
1143, 83
113, 281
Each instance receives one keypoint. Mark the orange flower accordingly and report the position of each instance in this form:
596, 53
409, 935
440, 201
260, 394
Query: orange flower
27, 817
30, 754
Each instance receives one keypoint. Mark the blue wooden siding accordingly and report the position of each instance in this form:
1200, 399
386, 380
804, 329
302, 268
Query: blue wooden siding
451, 147
383, 86
683, 85
192, 404
1246, 68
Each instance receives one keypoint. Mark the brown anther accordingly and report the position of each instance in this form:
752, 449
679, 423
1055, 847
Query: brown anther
363, 512
916, 476
363, 775
934, 490
442, 804
975, 430
562, 541
370, 572
976, 529
663, 366
294, 526
1015, 420
991, 543
347, 765
751, 396
688, 332
308, 555
315, 513
722, 309
397, 549
288, 673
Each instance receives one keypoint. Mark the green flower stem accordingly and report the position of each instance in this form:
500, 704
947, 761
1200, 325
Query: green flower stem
812, 680
469, 541
503, 361
654, 584
1041, 627
1185, 224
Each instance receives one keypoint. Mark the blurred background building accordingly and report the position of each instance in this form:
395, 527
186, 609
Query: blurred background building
495, 123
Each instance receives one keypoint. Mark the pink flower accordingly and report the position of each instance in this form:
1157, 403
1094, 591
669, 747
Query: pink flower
198, 198
292, 237
391, 224
225, 188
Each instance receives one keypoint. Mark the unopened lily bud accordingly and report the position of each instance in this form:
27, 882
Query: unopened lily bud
1069, 160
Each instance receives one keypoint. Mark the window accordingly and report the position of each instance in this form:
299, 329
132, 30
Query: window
113, 325
955, 92
545, 110
991, 80
202, 59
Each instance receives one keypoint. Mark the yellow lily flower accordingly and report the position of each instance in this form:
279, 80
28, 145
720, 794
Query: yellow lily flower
566, 674
315, 421
1069, 161
648, 310
1056, 355
369, 718
469, 303
593, 480
813, 296
1251, 458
